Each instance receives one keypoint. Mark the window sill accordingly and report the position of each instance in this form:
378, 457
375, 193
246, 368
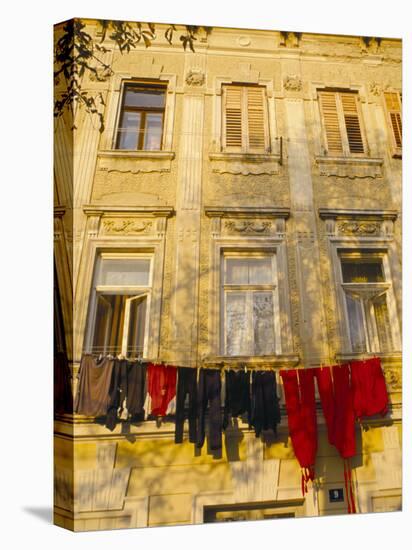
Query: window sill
245, 163
254, 362
394, 357
350, 167
122, 160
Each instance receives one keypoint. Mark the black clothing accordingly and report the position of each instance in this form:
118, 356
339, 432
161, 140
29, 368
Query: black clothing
127, 382
209, 389
186, 385
265, 403
63, 397
237, 395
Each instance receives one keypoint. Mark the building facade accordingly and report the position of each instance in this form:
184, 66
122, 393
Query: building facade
242, 205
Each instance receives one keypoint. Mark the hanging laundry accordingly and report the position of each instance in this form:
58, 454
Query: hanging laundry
92, 398
209, 392
299, 388
265, 410
127, 391
337, 403
186, 386
370, 395
63, 397
161, 386
237, 395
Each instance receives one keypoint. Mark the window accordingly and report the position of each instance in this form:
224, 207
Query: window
245, 124
120, 305
393, 102
250, 305
141, 118
343, 132
366, 288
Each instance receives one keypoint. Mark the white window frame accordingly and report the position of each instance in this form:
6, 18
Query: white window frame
373, 289
225, 288
134, 291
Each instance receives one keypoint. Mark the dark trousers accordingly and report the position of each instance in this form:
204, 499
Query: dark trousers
186, 386
127, 382
209, 389
265, 402
237, 395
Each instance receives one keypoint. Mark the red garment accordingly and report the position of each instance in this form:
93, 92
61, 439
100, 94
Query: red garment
299, 391
344, 421
369, 388
327, 398
161, 384
337, 404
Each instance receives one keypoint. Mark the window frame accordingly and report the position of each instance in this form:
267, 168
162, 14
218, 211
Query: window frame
245, 148
371, 335
249, 289
346, 152
162, 85
132, 291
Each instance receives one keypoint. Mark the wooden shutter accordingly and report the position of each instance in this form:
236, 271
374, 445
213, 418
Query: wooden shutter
233, 117
352, 123
255, 102
393, 106
328, 103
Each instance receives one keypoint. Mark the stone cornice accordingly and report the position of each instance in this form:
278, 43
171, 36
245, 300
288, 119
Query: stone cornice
341, 213
154, 211
245, 212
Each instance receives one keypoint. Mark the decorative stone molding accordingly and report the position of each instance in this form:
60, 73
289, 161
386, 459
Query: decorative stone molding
128, 226
248, 227
134, 162
102, 74
358, 223
393, 377
359, 228
244, 163
195, 77
248, 221
124, 221
292, 83
350, 167
370, 44
290, 39
244, 41
375, 89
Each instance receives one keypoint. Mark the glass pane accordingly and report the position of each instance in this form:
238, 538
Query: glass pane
124, 272
263, 323
240, 271
135, 337
383, 324
153, 132
236, 324
108, 328
362, 272
356, 325
128, 131
144, 97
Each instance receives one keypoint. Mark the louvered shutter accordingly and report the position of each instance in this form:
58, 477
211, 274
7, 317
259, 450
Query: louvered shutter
331, 121
393, 106
256, 130
233, 117
352, 123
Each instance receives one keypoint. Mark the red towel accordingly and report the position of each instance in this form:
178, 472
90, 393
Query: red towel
369, 388
299, 391
161, 382
327, 398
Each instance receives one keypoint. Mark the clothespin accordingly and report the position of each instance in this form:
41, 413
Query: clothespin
245, 368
